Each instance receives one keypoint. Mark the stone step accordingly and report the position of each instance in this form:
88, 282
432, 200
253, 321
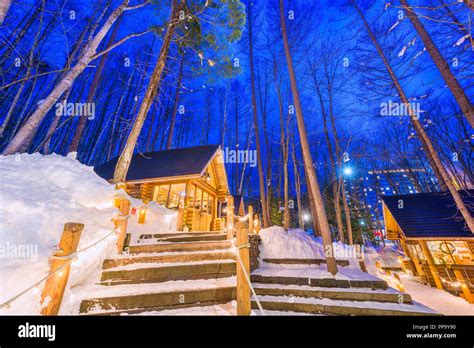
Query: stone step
331, 307
175, 247
320, 282
304, 261
137, 303
332, 293
193, 238
177, 257
210, 270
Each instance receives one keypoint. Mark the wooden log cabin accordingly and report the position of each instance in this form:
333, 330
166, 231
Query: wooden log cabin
191, 180
435, 238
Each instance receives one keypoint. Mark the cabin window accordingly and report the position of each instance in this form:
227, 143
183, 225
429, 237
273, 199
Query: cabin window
168, 195
450, 252
176, 191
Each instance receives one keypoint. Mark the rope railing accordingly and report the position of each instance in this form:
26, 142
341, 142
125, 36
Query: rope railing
65, 260
247, 278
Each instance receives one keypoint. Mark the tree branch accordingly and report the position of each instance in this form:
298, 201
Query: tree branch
129, 8
118, 43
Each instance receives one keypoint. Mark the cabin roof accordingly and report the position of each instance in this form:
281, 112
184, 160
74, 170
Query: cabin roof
183, 162
427, 215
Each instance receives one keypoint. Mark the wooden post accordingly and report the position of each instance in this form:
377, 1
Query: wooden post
121, 223
243, 288
230, 217
257, 225
468, 296
56, 284
431, 264
250, 214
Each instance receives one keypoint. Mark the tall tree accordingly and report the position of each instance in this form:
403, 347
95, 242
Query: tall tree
22, 139
313, 188
261, 175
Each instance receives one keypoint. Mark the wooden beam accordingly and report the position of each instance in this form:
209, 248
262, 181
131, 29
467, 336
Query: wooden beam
55, 285
230, 217
431, 264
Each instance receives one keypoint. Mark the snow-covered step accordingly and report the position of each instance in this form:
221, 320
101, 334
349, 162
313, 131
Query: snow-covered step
138, 298
146, 273
170, 257
191, 246
303, 261
339, 307
320, 282
193, 238
352, 294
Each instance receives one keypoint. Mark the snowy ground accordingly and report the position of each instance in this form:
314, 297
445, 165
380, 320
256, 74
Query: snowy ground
38, 195
436, 299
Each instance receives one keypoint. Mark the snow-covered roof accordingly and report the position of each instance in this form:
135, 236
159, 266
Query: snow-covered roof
183, 162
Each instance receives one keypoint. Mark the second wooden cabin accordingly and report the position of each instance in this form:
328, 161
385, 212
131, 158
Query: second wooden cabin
435, 238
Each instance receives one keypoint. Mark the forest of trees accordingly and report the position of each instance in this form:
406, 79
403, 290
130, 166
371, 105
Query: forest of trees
305, 84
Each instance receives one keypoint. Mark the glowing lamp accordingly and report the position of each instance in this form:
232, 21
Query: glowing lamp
347, 171
141, 215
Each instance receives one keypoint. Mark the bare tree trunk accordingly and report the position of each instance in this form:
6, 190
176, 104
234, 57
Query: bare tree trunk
28, 71
4, 6
22, 139
169, 142
308, 162
332, 160
284, 149
298, 189
73, 147
428, 147
443, 67
255, 124
125, 158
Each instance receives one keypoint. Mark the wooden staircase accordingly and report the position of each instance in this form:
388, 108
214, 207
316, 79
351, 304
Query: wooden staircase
289, 288
178, 270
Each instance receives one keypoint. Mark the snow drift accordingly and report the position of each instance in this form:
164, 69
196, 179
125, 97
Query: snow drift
38, 195
297, 244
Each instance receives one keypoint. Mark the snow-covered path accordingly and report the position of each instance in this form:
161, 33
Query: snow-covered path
436, 299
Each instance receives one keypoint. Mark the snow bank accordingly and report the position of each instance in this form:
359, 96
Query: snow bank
297, 244
38, 194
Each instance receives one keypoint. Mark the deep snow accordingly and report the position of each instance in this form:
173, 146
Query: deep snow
38, 194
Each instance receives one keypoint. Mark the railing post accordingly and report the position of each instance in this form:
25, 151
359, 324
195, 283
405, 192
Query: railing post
121, 222
468, 296
56, 284
230, 217
257, 224
243, 288
250, 215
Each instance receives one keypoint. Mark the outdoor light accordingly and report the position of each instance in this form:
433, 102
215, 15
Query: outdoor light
141, 215
306, 217
347, 171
